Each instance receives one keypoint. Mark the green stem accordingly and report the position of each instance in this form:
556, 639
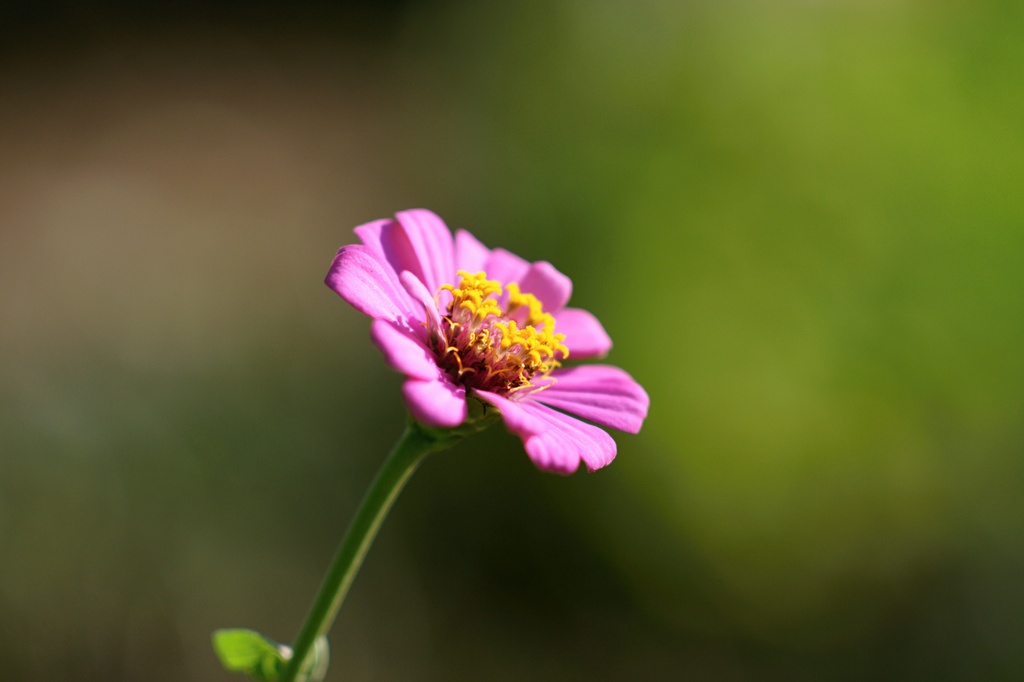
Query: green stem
415, 443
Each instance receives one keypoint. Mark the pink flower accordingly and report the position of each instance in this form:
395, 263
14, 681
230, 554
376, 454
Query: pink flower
457, 318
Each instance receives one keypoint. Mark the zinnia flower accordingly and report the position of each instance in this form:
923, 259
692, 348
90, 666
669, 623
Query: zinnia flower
459, 319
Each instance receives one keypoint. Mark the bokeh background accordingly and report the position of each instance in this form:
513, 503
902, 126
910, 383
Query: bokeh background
801, 221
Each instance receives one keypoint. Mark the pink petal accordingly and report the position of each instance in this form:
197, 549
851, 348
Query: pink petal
584, 335
436, 403
388, 241
551, 287
414, 287
470, 254
380, 236
431, 241
601, 393
368, 285
554, 441
403, 350
505, 267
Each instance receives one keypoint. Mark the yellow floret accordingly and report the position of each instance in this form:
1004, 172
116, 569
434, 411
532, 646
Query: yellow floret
495, 341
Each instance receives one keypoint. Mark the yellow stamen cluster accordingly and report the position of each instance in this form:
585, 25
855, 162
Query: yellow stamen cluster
474, 295
536, 316
495, 342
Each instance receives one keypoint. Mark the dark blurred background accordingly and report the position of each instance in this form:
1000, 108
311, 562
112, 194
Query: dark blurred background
801, 221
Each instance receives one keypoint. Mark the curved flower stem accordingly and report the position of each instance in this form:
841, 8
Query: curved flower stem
415, 443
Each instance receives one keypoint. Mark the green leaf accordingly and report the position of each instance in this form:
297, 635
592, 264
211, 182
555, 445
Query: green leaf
249, 652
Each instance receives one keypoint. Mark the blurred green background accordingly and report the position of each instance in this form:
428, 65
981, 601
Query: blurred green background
801, 221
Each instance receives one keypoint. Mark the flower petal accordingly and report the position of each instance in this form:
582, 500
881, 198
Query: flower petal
387, 239
470, 254
367, 284
551, 287
431, 241
601, 393
554, 441
584, 335
414, 287
403, 350
505, 267
437, 403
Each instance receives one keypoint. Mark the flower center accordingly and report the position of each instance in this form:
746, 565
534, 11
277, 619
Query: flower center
496, 340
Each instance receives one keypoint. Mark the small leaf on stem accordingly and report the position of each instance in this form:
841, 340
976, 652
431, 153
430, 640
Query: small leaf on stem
247, 651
